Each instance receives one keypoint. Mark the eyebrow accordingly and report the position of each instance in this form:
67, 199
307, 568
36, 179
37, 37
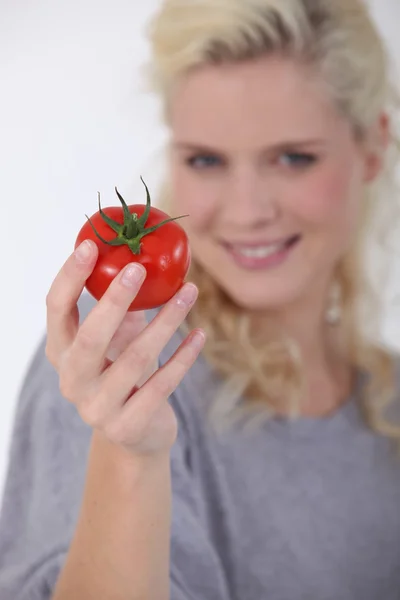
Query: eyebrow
183, 145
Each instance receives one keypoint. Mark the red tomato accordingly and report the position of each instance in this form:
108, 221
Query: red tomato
138, 233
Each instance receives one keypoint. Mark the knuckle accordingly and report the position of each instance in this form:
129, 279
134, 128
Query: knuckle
183, 361
66, 381
116, 432
162, 386
125, 432
85, 341
52, 304
91, 414
65, 385
140, 358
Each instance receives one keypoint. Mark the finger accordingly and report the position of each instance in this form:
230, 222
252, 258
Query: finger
86, 357
62, 317
122, 375
133, 324
131, 421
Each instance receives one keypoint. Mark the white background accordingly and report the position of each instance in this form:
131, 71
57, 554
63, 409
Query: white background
73, 120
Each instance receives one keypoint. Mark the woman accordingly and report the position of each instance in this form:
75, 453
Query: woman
280, 134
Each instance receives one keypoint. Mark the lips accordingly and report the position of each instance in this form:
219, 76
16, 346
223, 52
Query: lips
254, 255
262, 248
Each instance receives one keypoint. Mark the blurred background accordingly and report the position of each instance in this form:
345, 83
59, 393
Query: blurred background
74, 120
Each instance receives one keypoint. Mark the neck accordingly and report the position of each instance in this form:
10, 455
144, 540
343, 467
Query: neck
328, 375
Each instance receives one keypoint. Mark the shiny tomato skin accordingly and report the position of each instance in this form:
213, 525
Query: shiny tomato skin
165, 253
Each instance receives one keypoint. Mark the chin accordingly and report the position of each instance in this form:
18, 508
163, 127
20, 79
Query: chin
257, 287
255, 300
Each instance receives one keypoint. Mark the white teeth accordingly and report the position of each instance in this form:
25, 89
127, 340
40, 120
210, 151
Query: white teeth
259, 251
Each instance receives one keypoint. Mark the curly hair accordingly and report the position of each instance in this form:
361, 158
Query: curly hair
339, 40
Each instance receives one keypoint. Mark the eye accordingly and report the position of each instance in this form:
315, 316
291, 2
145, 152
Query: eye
297, 159
204, 161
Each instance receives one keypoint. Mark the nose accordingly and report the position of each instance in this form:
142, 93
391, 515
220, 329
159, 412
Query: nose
249, 198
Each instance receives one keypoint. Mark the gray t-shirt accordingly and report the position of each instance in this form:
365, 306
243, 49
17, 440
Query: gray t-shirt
306, 510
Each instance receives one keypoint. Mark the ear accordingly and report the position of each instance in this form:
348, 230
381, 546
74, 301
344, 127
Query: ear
376, 144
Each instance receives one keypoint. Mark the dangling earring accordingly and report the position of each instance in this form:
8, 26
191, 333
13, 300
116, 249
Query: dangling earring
333, 313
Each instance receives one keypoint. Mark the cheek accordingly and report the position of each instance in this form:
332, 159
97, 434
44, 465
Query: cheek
190, 198
331, 197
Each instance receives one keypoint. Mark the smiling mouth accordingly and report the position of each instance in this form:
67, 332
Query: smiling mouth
263, 250
262, 255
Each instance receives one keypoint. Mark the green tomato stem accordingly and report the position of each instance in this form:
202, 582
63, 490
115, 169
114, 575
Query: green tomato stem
133, 229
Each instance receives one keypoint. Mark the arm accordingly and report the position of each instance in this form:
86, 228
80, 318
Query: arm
41, 512
120, 550
120, 547
42, 504
122, 525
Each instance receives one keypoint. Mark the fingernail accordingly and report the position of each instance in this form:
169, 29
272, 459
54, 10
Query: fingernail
197, 339
83, 252
187, 295
132, 275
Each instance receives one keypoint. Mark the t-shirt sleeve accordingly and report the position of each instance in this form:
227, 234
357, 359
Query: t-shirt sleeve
43, 488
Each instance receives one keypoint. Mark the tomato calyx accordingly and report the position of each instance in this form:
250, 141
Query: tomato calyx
133, 229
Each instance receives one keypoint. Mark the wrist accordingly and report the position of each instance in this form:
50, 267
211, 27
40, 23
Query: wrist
120, 456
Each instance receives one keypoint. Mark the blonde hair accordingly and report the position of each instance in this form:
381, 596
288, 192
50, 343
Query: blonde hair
338, 39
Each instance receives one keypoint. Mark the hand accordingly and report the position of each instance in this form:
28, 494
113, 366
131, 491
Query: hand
126, 399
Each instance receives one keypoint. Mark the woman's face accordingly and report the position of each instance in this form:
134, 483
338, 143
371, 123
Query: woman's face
271, 176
